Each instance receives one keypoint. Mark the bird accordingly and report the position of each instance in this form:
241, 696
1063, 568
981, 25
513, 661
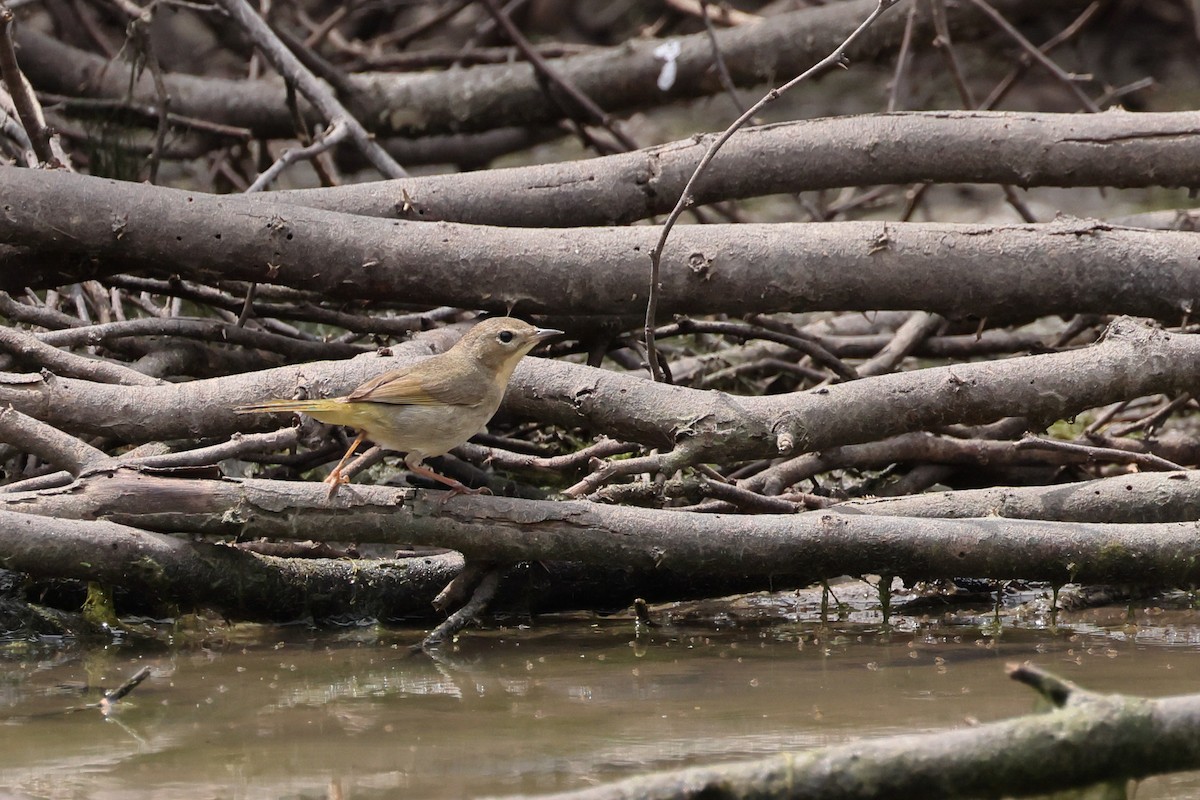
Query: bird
430, 407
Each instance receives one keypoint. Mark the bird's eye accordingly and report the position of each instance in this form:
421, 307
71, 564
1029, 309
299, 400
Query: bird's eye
505, 336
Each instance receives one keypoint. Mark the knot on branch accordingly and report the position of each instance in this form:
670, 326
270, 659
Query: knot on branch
1132, 330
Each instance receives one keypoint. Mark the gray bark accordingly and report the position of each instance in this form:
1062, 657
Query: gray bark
489, 96
1131, 361
995, 271
1024, 149
800, 548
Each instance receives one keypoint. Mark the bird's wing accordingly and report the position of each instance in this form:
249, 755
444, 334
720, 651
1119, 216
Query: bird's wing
421, 387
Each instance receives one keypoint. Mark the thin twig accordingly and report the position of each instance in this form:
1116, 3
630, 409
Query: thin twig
742, 330
1098, 453
943, 43
238, 446
204, 329
838, 58
506, 459
469, 613
402, 37
896, 90
327, 139
719, 60
1153, 420
139, 33
286, 63
1037, 54
23, 98
1005, 85
543, 69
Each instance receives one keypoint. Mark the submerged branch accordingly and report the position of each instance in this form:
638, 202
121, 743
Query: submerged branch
1094, 739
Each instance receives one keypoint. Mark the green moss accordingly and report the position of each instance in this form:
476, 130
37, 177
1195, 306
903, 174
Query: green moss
98, 607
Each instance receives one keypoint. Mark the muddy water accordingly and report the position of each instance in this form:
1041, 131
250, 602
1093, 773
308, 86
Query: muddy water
288, 713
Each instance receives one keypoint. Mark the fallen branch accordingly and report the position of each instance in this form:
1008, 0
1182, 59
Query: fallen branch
490, 96
1094, 739
805, 547
1033, 270
1131, 361
163, 573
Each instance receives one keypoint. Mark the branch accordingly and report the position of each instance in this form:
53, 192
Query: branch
1133, 498
29, 349
1024, 149
24, 100
171, 570
1033, 269
483, 97
48, 443
805, 547
1095, 739
180, 573
1043, 388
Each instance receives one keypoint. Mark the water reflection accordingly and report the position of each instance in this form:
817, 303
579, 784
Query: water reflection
549, 707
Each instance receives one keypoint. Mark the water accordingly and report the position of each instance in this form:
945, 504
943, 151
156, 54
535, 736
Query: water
287, 713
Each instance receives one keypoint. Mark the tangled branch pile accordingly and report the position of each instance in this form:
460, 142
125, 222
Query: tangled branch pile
847, 390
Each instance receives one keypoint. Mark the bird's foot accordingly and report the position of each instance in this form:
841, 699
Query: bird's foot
460, 488
335, 480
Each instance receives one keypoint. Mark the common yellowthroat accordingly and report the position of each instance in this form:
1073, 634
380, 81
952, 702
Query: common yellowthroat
432, 406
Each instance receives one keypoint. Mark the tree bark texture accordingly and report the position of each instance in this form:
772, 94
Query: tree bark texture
1067, 266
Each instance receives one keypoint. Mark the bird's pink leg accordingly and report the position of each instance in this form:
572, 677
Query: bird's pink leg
336, 478
456, 487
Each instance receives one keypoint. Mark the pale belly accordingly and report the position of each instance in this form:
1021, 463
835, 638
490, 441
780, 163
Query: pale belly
426, 430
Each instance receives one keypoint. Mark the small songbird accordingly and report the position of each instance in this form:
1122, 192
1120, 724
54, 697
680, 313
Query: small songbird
430, 407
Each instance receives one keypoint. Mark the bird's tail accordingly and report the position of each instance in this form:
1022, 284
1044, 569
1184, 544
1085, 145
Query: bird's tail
306, 406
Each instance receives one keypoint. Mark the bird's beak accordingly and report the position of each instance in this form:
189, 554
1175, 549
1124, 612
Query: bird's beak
542, 334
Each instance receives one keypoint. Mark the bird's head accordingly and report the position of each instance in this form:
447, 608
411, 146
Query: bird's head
499, 343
